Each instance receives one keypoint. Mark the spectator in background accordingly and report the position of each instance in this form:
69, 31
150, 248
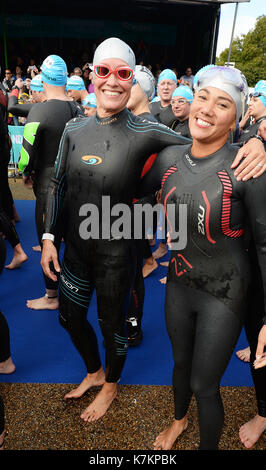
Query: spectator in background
77, 71
188, 77
8, 81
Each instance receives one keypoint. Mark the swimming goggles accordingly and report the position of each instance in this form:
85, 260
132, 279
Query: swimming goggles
122, 73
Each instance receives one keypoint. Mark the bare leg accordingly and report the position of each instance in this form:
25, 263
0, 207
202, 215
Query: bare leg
91, 380
101, 403
251, 431
166, 439
161, 251
149, 266
48, 302
19, 257
163, 280
244, 354
164, 263
7, 367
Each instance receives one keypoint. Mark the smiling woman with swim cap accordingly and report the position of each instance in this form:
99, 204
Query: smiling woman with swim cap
102, 155
209, 279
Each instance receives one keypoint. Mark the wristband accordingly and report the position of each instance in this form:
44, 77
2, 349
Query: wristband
48, 236
255, 136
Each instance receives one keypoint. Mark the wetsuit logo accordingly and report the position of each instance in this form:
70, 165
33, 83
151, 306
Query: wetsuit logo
189, 160
91, 160
201, 216
68, 284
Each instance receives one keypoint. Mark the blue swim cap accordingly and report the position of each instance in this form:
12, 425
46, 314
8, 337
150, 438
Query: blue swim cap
185, 92
260, 88
36, 83
90, 101
54, 71
75, 83
167, 74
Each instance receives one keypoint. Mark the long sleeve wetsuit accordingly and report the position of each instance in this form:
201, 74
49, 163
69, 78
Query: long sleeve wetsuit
249, 131
99, 157
42, 134
17, 109
209, 279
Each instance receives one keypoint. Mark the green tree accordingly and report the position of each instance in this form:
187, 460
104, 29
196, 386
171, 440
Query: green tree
249, 53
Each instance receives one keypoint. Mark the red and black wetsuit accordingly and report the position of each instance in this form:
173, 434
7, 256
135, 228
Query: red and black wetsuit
209, 278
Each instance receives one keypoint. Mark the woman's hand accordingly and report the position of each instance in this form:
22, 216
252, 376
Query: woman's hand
260, 354
49, 254
254, 160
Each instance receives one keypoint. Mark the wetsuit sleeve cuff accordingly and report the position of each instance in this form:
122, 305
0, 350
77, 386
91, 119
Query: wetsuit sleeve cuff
48, 236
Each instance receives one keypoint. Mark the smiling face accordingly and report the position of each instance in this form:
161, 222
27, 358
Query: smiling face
112, 94
212, 116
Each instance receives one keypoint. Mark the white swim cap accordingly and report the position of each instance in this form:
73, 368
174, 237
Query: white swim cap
114, 48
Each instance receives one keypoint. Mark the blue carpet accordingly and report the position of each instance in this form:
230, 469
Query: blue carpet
41, 348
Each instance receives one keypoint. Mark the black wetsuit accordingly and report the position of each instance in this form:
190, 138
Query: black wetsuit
181, 128
164, 114
17, 109
99, 157
42, 134
209, 279
251, 130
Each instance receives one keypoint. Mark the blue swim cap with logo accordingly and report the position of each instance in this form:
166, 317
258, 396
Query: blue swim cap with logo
260, 89
36, 83
90, 101
75, 83
54, 71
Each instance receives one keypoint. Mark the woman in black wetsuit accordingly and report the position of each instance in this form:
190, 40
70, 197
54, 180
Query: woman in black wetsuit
209, 280
102, 155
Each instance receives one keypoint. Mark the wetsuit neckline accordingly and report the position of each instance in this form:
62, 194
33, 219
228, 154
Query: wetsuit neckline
110, 119
198, 164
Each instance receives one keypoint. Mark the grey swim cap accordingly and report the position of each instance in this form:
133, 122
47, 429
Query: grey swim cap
114, 48
146, 80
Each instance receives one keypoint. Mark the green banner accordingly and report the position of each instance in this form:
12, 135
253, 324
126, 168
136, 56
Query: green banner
16, 136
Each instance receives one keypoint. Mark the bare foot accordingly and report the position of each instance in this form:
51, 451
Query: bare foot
165, 263
149, 266
101, 403
7, 367
43, 303
251, 431
167, 438
19, 258
244, 354
163, 280
91, 380
37, 248
160, 252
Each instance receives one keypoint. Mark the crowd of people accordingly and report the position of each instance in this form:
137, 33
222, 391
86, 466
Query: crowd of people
114, 129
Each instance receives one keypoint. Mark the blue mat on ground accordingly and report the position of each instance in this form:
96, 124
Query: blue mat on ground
42, 349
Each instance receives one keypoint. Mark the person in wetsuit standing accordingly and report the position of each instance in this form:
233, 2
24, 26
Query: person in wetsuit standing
42, 134
209, 277
102, 155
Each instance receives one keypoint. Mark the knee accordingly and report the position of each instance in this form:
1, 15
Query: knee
202, 388
69, 322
